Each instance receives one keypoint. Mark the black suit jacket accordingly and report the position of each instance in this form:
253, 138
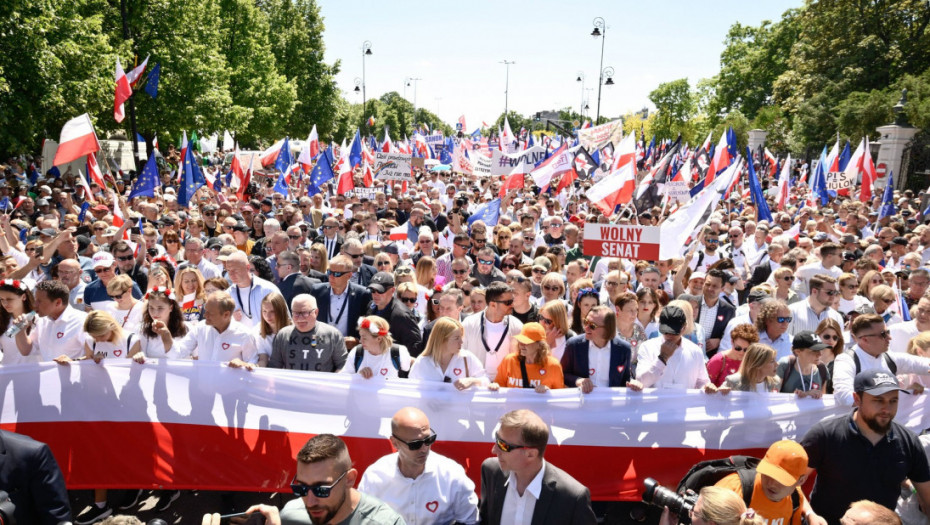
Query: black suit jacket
405, 329
322, 240
725, 312
30, 475
319, 276
575, 362
294, 285
366, 272
760, 273
562, 500
359, 299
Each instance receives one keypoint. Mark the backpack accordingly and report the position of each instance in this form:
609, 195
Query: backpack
395, 360
821, 369
708, 473
889, 362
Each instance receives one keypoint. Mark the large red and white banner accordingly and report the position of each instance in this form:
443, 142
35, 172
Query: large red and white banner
187, 425
618, 240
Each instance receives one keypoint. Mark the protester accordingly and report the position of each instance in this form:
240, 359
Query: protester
671, 361
728, 362
377, 355
756, 371
307, 344
531, 366
445, 360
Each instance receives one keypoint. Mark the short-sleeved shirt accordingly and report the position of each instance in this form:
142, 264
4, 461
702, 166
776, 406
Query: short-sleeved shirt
548, 373
369, 511
773, 511
849, 468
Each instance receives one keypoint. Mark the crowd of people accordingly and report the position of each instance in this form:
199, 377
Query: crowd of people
325, 283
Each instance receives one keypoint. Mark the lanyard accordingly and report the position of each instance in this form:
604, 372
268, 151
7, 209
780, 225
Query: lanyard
810, 385
241, 305
342, 310
503, 336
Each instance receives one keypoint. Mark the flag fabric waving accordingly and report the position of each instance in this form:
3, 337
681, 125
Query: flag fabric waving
283, 161
755, 191
614, 189
77, 140
145, 184
151, 84
136, 74
322, 172
783, 182
868, 173
122, 93
192, 178
888, 208
488, 213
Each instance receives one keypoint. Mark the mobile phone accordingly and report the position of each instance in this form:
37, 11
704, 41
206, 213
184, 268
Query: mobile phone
243, 518
135, 230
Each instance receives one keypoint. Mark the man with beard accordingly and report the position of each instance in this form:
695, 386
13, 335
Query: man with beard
324, 483
847, 452
708, 256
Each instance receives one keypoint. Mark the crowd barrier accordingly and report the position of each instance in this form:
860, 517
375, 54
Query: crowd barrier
192, 425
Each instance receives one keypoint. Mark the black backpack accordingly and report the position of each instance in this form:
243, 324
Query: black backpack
707, 473
889, 362
395, 360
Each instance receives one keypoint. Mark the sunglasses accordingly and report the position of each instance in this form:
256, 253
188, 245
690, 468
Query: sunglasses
485, 261
505, 446
293, 237
119, 295
508, 266
480, 241
336, 274
403, 271
739, 348
592, 326
552, 288
459, 272
355, 255
539, 270
831, 293
884, 334
788, 278
99, 271
464, 246
408, 300
784, 319
417, 444
508, 302
320, 491
384, 263
829, 337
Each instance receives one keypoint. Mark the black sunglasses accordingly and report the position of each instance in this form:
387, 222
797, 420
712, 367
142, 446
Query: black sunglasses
320, 491
409, 300
336, 274
503, 445
417, 444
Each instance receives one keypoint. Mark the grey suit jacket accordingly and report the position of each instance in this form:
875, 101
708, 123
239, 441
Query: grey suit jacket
562, 500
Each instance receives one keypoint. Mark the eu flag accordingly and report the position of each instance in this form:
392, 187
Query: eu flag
322, 172
755, 191
888, 209
192, 178
355, 153
489, 213
145, 184
84, 208
281, 186
151, 84
284, 160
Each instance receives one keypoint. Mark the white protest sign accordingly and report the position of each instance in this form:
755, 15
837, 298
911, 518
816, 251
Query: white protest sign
838, 180
481, 165
638, 243
365, 193
435, 140
599, 135
392, 166
678, 189
503, 164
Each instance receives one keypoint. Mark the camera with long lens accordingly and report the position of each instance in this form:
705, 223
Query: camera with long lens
679, 505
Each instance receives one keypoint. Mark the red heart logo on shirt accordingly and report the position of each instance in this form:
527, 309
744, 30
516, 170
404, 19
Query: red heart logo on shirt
117, 352
384, 371
457, 371
432, 506
720, 318
61, 334
591, 372
621, 368
542, 372
225, 346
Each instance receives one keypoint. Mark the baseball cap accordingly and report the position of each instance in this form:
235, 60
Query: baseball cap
876, 382
240, 227
757, 294
103, 260
672, 320
390, 248
820, 237
531, 333
100, 207
49, 232
381, 282
900, 241
849, 256
808, 339
225, 252
698, 275
214, 244
42, 202
785, 462
542, 262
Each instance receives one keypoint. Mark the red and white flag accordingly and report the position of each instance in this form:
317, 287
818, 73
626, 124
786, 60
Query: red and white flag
399, 233
515, 180
868, 173
462, 122
123, 92
310, 150
344, 173
136, 74
93, 171
268, 156
77, 140
625, 152
616, 188
783, 184
559, 162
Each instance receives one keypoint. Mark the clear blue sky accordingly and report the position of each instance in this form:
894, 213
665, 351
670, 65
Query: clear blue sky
456, 47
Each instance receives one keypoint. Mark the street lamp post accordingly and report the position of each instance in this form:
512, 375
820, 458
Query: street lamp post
366, 50
507, 63
600, 30
407, 82
581, 79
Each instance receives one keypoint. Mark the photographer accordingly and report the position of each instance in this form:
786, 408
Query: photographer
716, 506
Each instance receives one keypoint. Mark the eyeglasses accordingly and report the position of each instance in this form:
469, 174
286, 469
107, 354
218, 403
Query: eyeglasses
293, 237
505, 446
417, 444
320, 491
302, 314
463, 246
788, 278
508, 302
409, 300
508, 266
831, 293
539, 270
552, 288
125, 258
739, 348
171, 241
99, 271
354, 255
403, 271
333, 273
384, 263
485, 261
479, 241
784, 320
119, 295
712, 241
325, 227
829, 337
611, 284
459, 272
591, 325
884, 334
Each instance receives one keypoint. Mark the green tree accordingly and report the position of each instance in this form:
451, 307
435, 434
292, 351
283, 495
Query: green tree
675, 105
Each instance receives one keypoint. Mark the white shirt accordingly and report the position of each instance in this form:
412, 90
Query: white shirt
426, 368
249, 299
208, 269
11, 353
708, 316
336, 303
114, 349
518, 510
599, 361
62, 336
901, 334
204, 342
484, 348
442, 493
804, 318
844, 370
154, 347
130, 320
685, 369
381, 365
781, 344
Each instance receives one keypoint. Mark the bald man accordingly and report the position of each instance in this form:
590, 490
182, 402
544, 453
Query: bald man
421, 485
247, 290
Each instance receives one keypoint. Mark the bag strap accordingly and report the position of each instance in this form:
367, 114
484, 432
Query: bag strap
466, 367
359, 355
747, 478
526, 377
395, 357
792, 359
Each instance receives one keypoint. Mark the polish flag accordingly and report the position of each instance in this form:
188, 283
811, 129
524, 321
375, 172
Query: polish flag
773, 164
344, 170
625, 152
387, 146
720, 161
136, 73
123, 92
783, 184
616, 188
268, 156
310, 150
184, 144
118, 219
88, 195
77, 140
868, 173
462, 122
559, 162
246, 178
399, 233
236, 168
515, 180
93, 170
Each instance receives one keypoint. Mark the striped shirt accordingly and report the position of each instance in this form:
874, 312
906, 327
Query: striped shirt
804, 317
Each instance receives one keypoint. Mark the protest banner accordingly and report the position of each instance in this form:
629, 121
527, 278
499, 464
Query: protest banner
838, 180
503, 163
598, 136
197, 425
365, 193
435, 140
639, 243
392, 166
679, 190
482, 165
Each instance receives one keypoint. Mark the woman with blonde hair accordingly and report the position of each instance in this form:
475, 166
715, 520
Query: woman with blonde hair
919, 345
275, 316
532, 365
426, 272
883, 298
445, 360
784, 278
126, 309
871, 279
107, 339
553, 316
376, 355
756, 372
553, 288
718, 506
319, 260
188, 287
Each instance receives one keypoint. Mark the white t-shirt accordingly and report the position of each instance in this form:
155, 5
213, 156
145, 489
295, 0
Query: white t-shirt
62, 336
381, 365
427, 369
118, 349
130, 320
204, 342
11, 353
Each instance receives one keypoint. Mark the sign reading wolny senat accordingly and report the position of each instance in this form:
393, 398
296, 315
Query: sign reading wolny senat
392, 166
639, 243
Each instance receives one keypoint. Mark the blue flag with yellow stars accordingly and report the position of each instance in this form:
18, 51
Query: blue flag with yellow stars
145, 184
489, 213
192, 178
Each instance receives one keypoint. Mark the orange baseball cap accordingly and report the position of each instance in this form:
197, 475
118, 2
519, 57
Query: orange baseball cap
531, 333
785, 462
